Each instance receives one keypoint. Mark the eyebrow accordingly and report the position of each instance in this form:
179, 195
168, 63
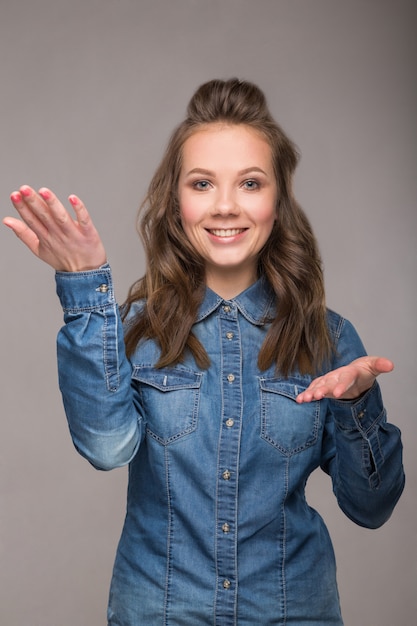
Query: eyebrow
247, 170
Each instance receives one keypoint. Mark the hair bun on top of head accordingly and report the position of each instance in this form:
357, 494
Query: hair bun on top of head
232, 100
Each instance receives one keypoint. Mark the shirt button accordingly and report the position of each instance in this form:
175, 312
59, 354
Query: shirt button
229, 422
226, 308
361, 414
229, 335
227, 584
103, 288
226, 475
226, 528
230, 378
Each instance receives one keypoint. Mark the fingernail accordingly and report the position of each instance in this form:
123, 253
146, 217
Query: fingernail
74, 200
25, 191
45, 194
15, 196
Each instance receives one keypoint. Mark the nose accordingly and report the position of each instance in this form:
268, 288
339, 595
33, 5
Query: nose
225, 202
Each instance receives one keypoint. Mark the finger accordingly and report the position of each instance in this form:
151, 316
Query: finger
332, 385
310, 394
381, 365
340, 389
24, 233
24, 202
55, 214
81, 213
319, 393
45, 214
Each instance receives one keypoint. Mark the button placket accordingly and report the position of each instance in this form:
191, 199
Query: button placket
229, 446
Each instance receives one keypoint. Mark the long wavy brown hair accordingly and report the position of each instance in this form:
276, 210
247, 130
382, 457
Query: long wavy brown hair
174, 283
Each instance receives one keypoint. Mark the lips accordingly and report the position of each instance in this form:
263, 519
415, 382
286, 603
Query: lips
226, 232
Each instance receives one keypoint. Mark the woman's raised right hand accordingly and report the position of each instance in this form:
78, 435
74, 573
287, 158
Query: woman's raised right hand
66, 243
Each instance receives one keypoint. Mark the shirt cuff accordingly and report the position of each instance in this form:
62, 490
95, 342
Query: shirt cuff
362, 414
85, 291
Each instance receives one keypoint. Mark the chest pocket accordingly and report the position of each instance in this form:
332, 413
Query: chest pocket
288, 426
170, 400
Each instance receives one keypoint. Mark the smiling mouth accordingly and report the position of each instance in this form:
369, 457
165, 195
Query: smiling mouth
226, 232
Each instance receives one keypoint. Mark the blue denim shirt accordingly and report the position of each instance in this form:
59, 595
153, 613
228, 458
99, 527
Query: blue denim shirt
218, 530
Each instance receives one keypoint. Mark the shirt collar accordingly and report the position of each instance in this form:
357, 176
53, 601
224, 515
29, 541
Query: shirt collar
256, 303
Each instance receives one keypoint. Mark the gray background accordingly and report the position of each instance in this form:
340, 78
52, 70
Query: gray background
90, 90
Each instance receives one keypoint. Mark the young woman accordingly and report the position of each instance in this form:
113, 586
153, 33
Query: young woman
229, 384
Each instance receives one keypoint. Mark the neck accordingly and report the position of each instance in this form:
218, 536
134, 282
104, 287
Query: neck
229, 285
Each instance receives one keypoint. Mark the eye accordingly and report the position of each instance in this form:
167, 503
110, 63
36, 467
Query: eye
201, 185
251, 184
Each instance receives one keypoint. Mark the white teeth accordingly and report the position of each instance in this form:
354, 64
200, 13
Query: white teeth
229, 232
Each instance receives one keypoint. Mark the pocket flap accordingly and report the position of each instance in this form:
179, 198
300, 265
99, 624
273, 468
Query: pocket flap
167, 379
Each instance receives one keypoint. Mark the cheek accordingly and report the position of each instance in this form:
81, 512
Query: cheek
186, 217
185, 209
266, 221
191, 210
267, 215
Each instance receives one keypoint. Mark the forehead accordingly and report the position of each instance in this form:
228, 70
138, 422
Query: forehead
225, 145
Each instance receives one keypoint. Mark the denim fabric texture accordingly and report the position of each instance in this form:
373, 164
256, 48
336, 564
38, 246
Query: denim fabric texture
218, 531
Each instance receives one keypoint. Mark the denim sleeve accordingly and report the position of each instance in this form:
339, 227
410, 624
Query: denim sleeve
94, 374
362, 451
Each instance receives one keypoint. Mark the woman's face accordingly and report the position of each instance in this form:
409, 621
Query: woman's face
228, 195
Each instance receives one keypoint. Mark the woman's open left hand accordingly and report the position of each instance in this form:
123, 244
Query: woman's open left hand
52, 234
347, 382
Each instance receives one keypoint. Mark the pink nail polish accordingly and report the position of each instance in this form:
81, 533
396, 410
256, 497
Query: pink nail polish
25, 191
45, 194
74, 200
15, 196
